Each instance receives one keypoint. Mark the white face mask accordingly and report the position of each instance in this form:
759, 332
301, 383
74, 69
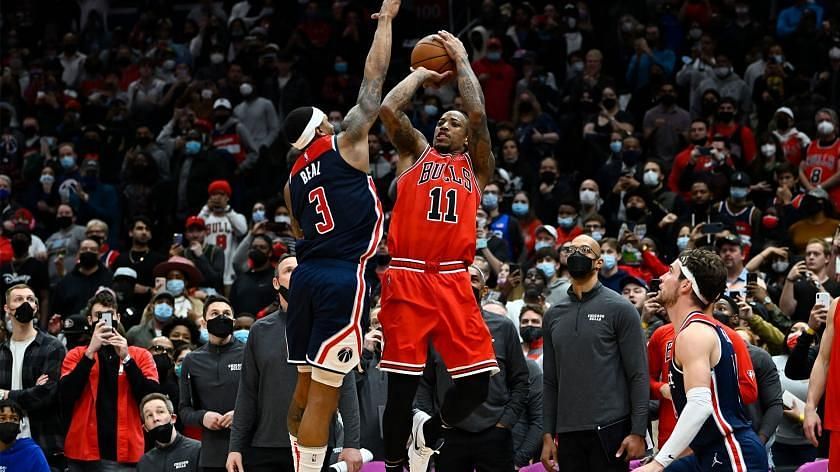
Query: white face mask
588, 197
825, 128
217, 58
768, 149
780, 266
651, 178
246, 89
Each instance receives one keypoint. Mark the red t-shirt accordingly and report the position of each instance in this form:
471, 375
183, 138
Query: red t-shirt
497, 85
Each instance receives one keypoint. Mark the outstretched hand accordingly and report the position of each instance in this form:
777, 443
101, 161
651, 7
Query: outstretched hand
389, 8
432, 78
454, 47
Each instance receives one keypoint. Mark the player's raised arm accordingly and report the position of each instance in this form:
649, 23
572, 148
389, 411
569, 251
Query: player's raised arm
478, 143
361, 117
408, 141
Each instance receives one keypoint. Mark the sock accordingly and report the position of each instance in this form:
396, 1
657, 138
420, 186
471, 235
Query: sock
311, 458
295, 451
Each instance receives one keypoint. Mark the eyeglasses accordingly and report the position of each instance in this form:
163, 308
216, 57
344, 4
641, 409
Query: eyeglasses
585, 250
160, 350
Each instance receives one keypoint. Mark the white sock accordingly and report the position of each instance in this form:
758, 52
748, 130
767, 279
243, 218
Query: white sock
311, 458
294, 442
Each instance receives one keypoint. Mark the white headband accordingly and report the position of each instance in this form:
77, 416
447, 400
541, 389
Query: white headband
690, 277
309, 131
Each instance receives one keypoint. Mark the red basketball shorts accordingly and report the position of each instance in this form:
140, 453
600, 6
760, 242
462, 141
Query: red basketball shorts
420, 306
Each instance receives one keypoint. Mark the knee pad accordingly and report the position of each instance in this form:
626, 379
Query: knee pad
326, 377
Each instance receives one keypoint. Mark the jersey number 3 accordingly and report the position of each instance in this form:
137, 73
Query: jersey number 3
443, 209
318, 197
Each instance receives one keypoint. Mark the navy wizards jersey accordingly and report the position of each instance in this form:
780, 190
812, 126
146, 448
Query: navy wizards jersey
335, 205
728, 414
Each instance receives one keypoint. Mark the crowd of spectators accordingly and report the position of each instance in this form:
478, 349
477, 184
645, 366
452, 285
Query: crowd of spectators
142, 164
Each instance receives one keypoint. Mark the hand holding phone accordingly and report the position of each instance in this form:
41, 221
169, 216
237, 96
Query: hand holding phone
823, 298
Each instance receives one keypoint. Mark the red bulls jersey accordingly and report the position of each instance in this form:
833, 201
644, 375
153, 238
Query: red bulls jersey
821, 163
433, 219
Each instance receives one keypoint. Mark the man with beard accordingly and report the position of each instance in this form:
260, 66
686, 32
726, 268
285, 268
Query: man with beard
141, 258
23, 269
601, 423
74, 289
703, 375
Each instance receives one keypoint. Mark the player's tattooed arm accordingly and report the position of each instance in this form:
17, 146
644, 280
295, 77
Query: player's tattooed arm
361, 117
478, 142
409, 142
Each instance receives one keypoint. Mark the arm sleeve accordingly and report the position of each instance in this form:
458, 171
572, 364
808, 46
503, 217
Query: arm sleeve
549, 379
697, 409
517, 378
186, 408
348, 405
142, 373
244, 416
41, 396
532, 443
799, 363
770, 395
631, 343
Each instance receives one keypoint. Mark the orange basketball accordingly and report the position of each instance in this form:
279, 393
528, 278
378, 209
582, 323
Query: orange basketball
432, 55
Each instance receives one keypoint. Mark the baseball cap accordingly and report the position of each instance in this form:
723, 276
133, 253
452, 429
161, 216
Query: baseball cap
785, 110
548, 229
222, 103
629, 279
729, 239
739, 179
818, 192
219, 186
195, 221
125, 272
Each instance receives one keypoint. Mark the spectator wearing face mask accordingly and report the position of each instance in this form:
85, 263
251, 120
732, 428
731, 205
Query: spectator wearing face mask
530, 330
612, 274
232, 136
794, 143
568, 226
548, 262
64, 243
258, 115
18, 454
171, 451
665, 124
653, 178
819, 169
30, 364
208, 259
156, 316
497, 79
726, 83
827, 81
503, 225
98, 231
528, 222
225, 227
252, 291
74, 289
816, 219
738, 211
553, 188
181, 277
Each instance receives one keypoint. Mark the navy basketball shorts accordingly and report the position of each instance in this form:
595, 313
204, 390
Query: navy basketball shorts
327, 299
740, 451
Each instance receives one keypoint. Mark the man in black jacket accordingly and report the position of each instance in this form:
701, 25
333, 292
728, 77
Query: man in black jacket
76, 288
209, 380
259, 438
483, 440
172, 451
34, 384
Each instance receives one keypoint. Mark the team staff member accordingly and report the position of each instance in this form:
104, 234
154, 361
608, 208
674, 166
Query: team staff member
594, 341
172, 451
209, 380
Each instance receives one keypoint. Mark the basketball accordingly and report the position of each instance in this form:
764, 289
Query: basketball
432, 55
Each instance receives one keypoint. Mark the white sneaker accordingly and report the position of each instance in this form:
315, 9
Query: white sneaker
418, 453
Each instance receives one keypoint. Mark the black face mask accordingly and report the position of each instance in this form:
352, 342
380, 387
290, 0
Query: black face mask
284, 292
163, 363
721, 316
64, 222
608, 103
8, 432
709, 108
177, 343
383, 260
24, 313
143, 140
548, 177
220, 326
88, 260
30, 131
20, 246
782, 123
725, 116
635, 213
667, 100
579, 265
162, 433
259, 258
220, 118
530, 333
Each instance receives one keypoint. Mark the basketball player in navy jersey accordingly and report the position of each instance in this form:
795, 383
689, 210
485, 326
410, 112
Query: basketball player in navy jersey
704, 376
337, 219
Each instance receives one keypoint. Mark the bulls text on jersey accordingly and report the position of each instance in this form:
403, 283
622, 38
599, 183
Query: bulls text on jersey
436, 171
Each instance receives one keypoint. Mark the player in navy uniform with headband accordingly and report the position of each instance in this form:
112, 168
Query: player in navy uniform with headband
337, 219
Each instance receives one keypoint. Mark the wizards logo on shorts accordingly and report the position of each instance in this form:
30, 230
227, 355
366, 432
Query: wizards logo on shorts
345, 355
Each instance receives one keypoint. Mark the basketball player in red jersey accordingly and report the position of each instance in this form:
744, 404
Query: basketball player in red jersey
426, 293
821, 167
825, 379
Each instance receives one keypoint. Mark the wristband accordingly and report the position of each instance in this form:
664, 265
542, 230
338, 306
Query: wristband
127, 358
481, 243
